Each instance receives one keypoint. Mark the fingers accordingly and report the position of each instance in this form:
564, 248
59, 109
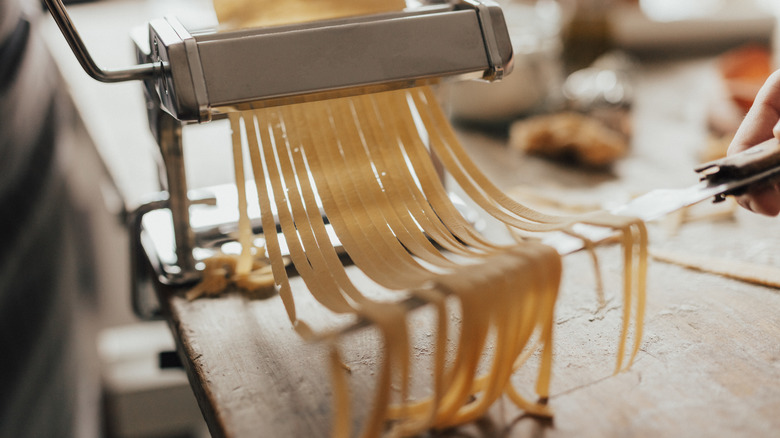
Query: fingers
761, 122
762, 200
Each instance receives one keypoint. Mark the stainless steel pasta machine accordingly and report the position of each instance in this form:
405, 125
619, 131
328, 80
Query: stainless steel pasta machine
192, 76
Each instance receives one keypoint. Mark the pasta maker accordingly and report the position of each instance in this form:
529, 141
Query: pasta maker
196, 76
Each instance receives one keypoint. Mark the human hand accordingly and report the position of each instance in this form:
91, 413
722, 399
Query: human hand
761, 123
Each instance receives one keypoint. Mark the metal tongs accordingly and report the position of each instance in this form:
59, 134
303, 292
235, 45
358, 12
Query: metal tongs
718, 179
730, 176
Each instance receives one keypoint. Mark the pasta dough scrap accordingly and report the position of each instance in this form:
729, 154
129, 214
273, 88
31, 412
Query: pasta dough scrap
222, 271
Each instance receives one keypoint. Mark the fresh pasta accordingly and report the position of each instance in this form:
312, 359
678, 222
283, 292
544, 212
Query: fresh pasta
367, 162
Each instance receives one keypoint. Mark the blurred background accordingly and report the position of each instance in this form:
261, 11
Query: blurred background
578, 71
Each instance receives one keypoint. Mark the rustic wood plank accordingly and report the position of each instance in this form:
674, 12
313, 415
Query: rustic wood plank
709, 362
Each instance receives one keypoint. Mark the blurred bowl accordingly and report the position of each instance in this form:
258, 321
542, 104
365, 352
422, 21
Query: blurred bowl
538, 74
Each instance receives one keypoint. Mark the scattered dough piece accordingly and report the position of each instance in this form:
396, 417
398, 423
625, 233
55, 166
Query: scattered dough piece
220, 272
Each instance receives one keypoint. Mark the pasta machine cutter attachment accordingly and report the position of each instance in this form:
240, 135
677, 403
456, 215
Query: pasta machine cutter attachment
195, 76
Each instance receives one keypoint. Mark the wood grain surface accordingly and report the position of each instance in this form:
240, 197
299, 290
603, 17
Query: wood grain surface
709, 364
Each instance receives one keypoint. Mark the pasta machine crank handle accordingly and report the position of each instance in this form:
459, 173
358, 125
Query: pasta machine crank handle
135, 72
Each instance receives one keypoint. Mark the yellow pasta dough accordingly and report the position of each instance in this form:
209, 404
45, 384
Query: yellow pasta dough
364, 159
383, 197
262, 13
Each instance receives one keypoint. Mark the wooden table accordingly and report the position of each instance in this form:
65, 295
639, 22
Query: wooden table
710, 359
709, 364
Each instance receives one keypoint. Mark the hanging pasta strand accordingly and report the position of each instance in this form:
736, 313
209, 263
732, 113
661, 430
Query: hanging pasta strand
505, 209
366, 162
363, 162
463, 371
324, 283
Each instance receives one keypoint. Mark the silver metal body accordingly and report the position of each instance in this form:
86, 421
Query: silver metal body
195, 74
287, 64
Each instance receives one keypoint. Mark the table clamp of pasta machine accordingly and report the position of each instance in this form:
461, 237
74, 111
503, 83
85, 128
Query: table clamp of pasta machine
192, 77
